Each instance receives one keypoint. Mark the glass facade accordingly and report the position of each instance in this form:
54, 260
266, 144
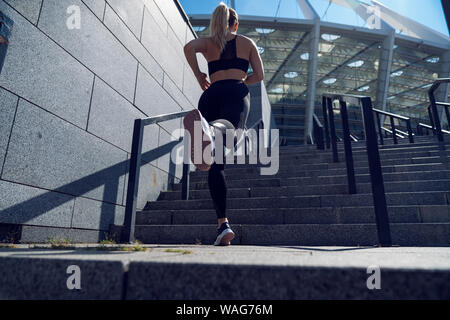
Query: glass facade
349, 60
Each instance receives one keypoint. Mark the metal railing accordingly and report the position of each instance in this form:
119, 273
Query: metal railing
317, 137
376, 175
445, 105
398, 133
429, 128
433, 111
135, 167
394, 130
185, 17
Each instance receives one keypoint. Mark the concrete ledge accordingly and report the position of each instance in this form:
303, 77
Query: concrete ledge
210, 273
223, 282
46, 277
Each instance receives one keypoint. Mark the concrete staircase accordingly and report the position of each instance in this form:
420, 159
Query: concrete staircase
307, 202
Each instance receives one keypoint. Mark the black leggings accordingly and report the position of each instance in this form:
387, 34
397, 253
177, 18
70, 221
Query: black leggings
224, 99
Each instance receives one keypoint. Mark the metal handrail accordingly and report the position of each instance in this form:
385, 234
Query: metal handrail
397, 132
434, 115
426, 126
325, 122
393, 116
446, 106
317, 136
403, 133
376, 175
185, 17
389, 114
354, 138
135, 166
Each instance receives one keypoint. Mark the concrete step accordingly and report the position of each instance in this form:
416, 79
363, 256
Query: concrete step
363, 178
392, 199
413, 186
199, 177
163, 272
324, 157
336, 215
323, 180
327, 155
299, 166
411, 234
362, 147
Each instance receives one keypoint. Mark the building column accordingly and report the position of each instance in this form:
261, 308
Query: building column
384, 71
310, 13
443, 91
312, 78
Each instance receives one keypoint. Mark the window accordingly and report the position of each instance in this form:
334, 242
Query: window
330, 37
356, 64
304, 56
330, 81
264, 30
291, 75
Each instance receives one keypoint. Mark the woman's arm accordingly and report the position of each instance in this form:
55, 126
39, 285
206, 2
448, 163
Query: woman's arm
258, 71
190, 51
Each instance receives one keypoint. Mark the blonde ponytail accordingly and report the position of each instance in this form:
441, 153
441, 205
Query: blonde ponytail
219, 25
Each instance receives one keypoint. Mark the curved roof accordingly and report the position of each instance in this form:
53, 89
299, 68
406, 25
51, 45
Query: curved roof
349, 60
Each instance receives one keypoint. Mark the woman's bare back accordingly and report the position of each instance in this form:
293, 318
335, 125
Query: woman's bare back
244, 47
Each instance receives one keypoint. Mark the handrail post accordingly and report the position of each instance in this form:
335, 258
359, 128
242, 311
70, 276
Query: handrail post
325, 121
376, 174
187, 140
185, 182
430, 115
322, 143
394, 132
437, 123
318, 134
447, 114
380, 131
348, 149
257, 134
332, 130
410, 132
133, 183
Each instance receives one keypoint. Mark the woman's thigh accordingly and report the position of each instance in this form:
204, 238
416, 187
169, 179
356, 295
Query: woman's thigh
208, 105
232, 107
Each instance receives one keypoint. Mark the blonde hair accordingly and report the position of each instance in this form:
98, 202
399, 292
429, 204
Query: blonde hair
222, 18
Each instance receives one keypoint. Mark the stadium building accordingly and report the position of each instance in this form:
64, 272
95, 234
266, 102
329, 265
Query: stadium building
390, 58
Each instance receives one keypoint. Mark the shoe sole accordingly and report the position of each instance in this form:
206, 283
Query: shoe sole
189, 123
226, 239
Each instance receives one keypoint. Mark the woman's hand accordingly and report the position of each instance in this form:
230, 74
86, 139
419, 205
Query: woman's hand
202, 79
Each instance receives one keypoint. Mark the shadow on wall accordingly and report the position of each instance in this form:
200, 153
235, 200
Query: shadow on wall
109, 177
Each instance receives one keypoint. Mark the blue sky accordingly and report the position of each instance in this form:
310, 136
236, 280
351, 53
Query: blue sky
427, 12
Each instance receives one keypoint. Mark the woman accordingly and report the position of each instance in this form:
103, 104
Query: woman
224, 97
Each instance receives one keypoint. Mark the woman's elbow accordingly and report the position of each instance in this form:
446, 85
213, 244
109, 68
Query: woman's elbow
187, 47
260, 76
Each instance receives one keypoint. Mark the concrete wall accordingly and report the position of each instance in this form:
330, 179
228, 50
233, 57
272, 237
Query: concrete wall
68, 99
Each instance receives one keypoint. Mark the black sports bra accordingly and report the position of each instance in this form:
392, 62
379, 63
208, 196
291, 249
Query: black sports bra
228, 59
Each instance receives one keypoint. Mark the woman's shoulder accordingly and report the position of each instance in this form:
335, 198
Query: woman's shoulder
246, 40
206, 39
